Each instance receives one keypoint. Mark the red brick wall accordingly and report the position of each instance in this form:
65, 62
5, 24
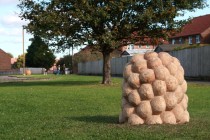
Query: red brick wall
5, 61
206, 36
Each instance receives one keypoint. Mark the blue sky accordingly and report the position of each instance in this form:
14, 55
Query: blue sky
11, 27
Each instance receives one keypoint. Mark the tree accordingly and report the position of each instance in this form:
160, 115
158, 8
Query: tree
19, 63
39, 55
67, 60
105, 24
87, 54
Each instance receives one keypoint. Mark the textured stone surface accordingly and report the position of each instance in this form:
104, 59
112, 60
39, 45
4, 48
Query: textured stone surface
154, 91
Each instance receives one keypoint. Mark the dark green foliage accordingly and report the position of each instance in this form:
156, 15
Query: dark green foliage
39, 55
101, 23
18, 63
67, 60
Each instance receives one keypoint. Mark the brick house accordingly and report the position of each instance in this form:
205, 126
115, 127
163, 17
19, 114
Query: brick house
195, 32
5, 61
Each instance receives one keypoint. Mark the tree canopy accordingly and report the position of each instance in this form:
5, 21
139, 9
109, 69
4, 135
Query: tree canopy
39, 55
19, 63
105, 24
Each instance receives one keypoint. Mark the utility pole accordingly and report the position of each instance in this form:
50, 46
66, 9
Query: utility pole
72, 57
23, 52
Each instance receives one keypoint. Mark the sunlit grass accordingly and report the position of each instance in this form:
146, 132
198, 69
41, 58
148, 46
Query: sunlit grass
79, 107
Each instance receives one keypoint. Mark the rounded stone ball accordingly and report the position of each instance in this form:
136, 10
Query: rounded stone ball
159, 87
180, 77
139, 65
168, 117
144, 109
165, 58
136, 58
179, 94
178, 112
127, 71
170, 100
154, 62
171, 83
124, 102
161, 73
185, 118
176, 61
180, 68
158, 105
150, 55
126, 89
133, 80
147, 76
134, 98
172, 67
184, 102
135, 120
154, 119
127, 110
184, 86
146, 92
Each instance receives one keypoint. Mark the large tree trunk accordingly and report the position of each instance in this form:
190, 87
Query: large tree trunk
106, 68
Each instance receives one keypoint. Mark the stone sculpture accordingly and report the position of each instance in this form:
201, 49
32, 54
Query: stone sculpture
154, 90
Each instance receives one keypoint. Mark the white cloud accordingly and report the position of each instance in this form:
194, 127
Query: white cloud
8, 2
12, 21
10, 32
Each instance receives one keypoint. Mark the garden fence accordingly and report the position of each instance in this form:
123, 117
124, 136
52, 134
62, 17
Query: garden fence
195, 61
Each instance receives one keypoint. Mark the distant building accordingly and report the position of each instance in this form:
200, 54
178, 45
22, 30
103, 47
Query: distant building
13, 60
195, 32
141, 47
135, 51
5, 61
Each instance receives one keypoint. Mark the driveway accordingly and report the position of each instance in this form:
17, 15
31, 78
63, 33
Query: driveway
4, 79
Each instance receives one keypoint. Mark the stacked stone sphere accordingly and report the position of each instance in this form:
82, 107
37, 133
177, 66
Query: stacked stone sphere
154, 90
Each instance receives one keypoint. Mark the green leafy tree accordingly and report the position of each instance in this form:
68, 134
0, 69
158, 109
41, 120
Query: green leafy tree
39, 55
104, 24
67, 60
19, 63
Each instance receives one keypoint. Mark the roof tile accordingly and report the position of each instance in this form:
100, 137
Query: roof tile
196, 26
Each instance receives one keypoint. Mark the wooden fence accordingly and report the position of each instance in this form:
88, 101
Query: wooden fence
195, 61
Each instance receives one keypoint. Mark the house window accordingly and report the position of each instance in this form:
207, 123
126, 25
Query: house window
190, 39
180, 40
173, 41
197, 38
147, 46
140, 46
131, 47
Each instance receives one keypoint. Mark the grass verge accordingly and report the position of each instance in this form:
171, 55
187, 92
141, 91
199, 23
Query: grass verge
79, 107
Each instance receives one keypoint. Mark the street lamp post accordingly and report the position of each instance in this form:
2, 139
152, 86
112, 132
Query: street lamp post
23, 52
72, 61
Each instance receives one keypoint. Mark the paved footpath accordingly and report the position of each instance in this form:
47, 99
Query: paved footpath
4, 79
11, 79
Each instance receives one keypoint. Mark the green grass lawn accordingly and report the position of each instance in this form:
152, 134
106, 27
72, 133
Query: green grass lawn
79, 107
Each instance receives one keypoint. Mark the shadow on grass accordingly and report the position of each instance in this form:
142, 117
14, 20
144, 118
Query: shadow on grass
50, 83
96, 119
